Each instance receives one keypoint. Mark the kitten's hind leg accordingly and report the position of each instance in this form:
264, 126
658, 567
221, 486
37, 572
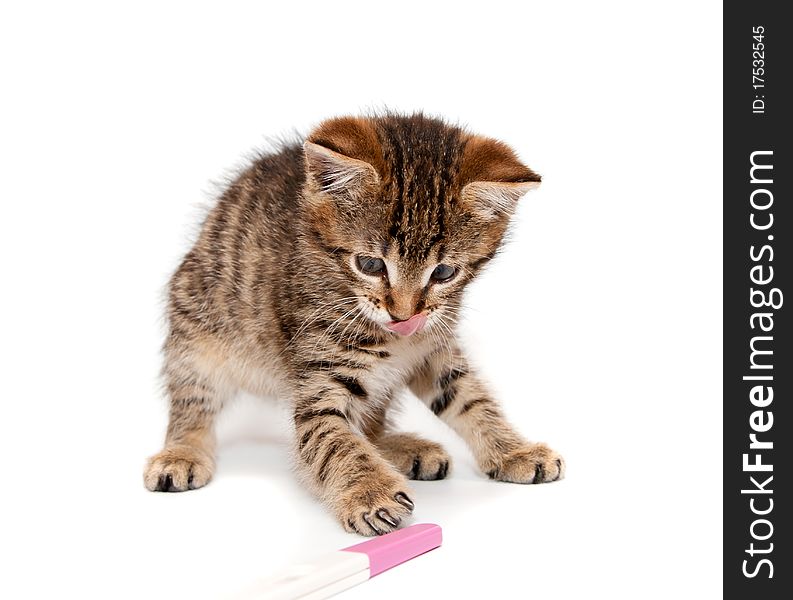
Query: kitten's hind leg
413, 456
187, 461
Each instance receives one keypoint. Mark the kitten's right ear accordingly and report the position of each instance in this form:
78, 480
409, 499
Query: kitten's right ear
343, 156
334, 173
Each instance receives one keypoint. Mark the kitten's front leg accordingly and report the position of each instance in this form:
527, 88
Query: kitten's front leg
364, 491
456, 395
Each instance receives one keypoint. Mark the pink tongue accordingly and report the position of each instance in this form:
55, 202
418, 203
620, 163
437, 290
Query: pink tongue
409, 327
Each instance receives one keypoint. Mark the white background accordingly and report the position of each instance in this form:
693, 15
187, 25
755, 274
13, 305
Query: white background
600, 326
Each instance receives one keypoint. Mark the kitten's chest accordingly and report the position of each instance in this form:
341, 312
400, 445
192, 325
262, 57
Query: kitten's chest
389, 374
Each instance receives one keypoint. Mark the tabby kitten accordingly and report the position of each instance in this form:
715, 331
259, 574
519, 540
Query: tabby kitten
331, 273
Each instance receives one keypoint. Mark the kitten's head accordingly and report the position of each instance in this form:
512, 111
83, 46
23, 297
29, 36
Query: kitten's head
410, 208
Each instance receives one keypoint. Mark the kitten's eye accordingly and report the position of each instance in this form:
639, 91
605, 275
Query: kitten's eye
443, 273
371, 265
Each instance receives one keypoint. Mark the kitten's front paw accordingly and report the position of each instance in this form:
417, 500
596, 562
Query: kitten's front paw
414, 457
178, 469
374, 506
534, 463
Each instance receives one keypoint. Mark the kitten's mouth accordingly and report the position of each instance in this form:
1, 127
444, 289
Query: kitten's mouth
408, 327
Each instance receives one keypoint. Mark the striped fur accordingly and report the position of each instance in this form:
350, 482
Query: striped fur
270, 300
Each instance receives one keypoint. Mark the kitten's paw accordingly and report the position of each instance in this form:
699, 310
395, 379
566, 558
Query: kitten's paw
414, 457
178, 469
374, 506
534, 463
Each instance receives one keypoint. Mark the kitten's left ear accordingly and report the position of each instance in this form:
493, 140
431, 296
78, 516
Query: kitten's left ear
497, 178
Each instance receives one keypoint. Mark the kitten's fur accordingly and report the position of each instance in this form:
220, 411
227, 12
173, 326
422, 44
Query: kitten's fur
271, 300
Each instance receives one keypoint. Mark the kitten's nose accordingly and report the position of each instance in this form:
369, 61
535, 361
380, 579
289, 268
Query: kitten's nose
403, 315
403, 305
396, 319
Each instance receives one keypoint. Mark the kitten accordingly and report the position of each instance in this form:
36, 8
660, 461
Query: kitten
331, 273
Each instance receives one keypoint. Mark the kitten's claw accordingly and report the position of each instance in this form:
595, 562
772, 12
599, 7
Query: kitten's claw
365, 517
403, 499
386, 516
374, 506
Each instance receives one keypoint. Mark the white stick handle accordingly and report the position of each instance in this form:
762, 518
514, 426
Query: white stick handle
314, 580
